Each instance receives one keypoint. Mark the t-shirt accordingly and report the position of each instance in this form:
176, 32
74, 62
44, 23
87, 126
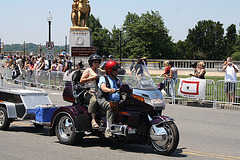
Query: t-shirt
175, 73
167, 71
113, 84
230, 74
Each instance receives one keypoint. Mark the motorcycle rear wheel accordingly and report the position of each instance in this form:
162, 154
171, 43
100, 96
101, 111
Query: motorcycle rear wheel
66, 132
171, 142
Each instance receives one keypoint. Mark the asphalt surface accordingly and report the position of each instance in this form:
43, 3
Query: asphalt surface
204, 134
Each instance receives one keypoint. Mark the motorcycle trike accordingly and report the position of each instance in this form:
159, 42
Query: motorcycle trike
138, 117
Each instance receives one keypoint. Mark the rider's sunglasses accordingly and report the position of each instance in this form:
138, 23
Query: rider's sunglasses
115, 68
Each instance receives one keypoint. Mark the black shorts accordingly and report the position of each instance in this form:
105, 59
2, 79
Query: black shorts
229, 86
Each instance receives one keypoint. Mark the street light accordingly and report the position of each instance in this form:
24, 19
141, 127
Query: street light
66, 43
49, 19
40, 49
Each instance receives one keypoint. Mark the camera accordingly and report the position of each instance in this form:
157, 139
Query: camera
194, 65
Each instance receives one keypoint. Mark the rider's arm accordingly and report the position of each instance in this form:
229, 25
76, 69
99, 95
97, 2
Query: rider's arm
85, 77
171, 74
105, 89
235, 68
225, 67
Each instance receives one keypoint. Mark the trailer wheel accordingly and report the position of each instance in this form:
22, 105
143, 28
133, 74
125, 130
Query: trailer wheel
65, 131
4, 121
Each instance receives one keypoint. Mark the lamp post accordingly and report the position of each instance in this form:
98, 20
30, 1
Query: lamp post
66, 43
49, 19
40, 49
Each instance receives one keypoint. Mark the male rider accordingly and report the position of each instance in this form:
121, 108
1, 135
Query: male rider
106, 92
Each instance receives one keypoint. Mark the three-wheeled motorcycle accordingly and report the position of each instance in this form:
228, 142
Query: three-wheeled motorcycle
138, 117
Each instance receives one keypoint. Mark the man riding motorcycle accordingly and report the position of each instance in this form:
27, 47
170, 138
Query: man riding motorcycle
106, 92
89, 77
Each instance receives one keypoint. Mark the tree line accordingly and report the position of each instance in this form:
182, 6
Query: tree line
147, 36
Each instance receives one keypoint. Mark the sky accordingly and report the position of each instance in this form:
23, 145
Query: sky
26, 20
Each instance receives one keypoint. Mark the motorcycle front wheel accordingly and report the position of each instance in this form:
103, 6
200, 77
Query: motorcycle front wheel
168, 142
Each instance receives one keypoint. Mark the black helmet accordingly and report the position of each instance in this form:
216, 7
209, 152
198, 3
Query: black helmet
94, 57
104, 57
110, 56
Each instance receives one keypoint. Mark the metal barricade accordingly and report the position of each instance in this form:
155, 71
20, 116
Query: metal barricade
8, 74
39, 78
164, 85
210, 92
228, 92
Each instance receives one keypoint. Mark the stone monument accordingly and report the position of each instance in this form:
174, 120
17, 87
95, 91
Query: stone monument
79, 33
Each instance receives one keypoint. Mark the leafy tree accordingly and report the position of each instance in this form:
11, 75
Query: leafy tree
147, 36
230, 39
206, 40
181, 50
101, 36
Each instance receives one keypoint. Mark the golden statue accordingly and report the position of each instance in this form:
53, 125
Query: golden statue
80, 13
74, 15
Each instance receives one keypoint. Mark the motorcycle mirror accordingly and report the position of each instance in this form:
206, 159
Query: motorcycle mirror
125, 88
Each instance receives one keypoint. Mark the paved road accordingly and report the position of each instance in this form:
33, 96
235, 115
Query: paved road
204, 134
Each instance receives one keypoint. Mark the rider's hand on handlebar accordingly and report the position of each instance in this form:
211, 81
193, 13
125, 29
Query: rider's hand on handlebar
112, 90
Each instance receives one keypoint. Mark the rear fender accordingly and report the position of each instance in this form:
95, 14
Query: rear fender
73, 111
11, 109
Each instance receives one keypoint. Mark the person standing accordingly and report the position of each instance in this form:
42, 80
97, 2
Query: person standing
200, 71
230, 79
173, 75
68, 64
104, 61
110, 57
166, 73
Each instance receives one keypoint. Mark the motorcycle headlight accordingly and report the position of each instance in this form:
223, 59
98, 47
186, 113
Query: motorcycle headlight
156, 103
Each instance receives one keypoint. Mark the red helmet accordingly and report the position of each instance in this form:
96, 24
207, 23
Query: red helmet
111, 65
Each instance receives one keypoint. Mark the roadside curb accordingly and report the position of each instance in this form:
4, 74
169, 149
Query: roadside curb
228, 106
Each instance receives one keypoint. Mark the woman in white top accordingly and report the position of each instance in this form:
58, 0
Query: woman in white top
59, 71
89, 77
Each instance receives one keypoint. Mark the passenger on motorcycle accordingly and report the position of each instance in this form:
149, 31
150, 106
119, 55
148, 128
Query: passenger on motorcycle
89, 77
106, 92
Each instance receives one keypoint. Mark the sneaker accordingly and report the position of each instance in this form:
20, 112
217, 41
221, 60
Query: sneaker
108, 133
